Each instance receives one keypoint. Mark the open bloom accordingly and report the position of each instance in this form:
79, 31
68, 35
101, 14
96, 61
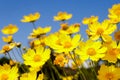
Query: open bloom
10, 29
39, 31
61, 16
7, 39
91, 50
103, 30
31, 17
114, 13
69, 29
108, 73
32, 75
62, 42
90, 20
8, 72
113, 52
36, 58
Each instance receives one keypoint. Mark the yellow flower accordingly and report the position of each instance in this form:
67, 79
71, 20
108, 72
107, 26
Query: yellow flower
31, 17
6, 48
8, 72
60, 60
67, 78
62, 42
61, 16
36, 58
108, 73
74, 28
104, 29
90, 20
117, 35
39, 31
114, 13
38, 42
10, 29
91, 50
113, 52
7, 39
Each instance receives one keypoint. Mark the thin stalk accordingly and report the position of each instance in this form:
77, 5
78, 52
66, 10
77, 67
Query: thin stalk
80, 72
34, 25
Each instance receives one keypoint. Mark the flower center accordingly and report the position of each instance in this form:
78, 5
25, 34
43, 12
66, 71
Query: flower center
37, 58
91, 51
4, 77
109, 76
100, 31
67, 44
114, 51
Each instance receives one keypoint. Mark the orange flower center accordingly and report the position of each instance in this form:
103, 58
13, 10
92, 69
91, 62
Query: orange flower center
37, 58
114, 51
109, 76
4, 77
100, 31
91, 51
67, 44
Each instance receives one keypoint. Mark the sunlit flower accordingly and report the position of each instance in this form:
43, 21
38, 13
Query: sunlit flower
7, 39
10, 29
62, 42
6, 48
108, 73
103, 30
90, 20
61, 16
67, 78
31, 17
60, 60
39, 31
91, 50
114, 13
32, 75
38, 42
117, 35
36, 58
8, 72
70, 29
113, 52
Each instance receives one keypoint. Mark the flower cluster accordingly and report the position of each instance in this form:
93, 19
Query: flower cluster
64, 54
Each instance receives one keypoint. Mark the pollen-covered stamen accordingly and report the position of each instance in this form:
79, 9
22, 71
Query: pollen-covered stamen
37, 58
91, 51
100, 31
67, 44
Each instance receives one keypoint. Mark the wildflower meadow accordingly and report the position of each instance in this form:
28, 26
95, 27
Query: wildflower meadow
64, 54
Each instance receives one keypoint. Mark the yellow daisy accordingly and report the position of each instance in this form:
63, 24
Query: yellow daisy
10, 29
36, 58
8, 72
71, 29
114, 13
31, 17
104, 29
7, 39
39, 31
113, 52
90, 20
108, 73
91, 50
62, 42
61, 16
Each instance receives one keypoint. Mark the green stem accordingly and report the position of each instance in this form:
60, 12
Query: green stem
34, 25
80, 72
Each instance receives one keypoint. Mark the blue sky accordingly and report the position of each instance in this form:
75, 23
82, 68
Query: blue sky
12, 11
